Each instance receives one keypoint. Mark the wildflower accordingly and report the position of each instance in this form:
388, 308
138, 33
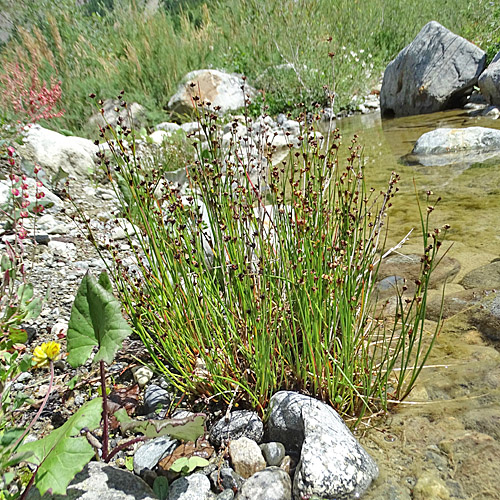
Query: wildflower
15, 191
11, 151
43, 354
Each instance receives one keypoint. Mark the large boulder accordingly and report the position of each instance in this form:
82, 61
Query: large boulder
489, 81
435, 72
332, 465
54, 151
224, 90
445, 146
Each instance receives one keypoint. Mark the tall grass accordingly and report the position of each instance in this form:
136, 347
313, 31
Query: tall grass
262, 277
280, 45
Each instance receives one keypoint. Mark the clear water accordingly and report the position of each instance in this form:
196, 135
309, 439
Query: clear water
444, 441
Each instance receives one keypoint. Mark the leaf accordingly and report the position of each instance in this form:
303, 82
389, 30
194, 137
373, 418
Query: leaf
185, 429
187, 465
201, 449
64, 453
96, 320
160, 487
126, 398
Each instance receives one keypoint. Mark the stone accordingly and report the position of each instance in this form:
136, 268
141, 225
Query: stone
286, 464
408, 267
159, 136
489, 81
487, 276
246, 457
430, 486
142, 375
221, 89
132, 116
332, 463
168, 127
272, 483
226, 495
240, 423
454, 303
151, 452
485, 316
154, 397
435, 72
102, 481
193, 487
273, 452
226, 479
54, 151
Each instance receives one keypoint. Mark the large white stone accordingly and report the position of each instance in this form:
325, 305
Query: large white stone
52, 151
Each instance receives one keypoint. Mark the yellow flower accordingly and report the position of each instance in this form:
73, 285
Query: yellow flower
48, 351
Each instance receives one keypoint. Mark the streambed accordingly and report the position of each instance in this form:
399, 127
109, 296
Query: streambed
443, 442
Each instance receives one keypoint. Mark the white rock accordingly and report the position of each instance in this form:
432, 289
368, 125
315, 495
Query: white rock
52, 151
142, 375
246, 457
169, 127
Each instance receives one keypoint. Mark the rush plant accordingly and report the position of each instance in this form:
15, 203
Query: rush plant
261, 276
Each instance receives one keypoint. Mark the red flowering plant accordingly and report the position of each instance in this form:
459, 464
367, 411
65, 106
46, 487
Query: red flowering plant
26, 97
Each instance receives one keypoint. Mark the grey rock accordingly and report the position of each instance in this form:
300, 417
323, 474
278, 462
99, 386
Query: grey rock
453, 303
273, 452
333, 465
100, 480
489, 81
221, 89
169, 127
54, 151
226, 495
485, 316
240, 423
246, 457
226, 478
487, 276
408, 267
151, 452
272, 483
114, 114
193, 487
433, 73
154, 397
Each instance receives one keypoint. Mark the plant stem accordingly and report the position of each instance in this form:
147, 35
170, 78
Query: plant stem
42, 406
105, 438
123, 446
29, 485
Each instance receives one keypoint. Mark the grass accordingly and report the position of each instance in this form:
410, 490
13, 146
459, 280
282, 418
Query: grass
262, 277
281, 46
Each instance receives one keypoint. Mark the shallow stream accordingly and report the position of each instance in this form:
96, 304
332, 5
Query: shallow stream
443, 442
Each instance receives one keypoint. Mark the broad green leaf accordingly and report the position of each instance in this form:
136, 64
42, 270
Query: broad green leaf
64, 453
185, 429
160, 487
105, 282
96, 320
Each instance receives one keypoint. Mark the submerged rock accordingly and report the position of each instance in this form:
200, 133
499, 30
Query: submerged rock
487, 276
486, 317
431, 74
333, 465
445, 146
